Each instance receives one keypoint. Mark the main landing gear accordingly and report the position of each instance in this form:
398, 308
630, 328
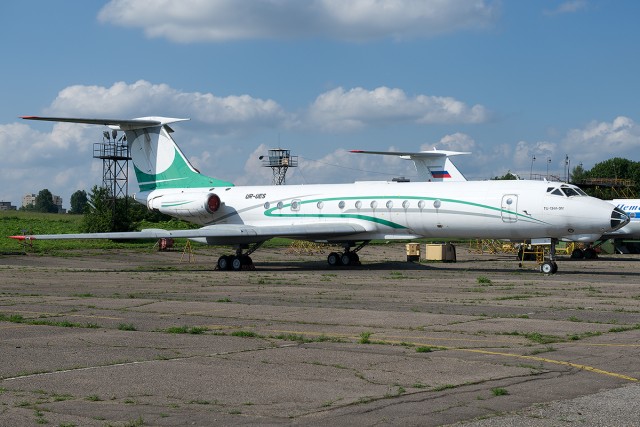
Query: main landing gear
239, 261
550, 266
348, 257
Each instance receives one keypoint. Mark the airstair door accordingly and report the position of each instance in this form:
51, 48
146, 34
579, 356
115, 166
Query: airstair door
509, 208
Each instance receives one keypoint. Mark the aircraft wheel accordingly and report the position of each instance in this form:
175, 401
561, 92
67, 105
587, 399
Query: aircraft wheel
554, 270
577, 253
547, 267
346, 259
590, 253
333, 259
224, 263
355, 258
236, 263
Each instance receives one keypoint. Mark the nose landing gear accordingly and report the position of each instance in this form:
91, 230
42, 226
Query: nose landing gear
550, 266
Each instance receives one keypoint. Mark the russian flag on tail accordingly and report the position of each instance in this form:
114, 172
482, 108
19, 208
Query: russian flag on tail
440, 174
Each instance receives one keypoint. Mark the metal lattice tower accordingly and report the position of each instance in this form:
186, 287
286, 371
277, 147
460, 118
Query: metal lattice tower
114, 153
279, 161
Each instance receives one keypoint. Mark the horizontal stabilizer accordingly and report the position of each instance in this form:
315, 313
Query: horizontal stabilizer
123, 124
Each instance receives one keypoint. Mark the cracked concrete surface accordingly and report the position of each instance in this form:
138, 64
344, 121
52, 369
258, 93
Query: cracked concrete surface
85, 340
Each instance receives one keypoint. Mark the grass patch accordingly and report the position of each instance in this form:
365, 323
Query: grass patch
245, 334
365, 338
424, 349
187, 330
536, 337
126, 327
499, 391
483, 280
16, 318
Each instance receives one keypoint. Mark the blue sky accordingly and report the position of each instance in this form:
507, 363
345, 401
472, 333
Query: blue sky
506, 80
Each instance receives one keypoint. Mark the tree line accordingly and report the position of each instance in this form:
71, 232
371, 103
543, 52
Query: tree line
616, 168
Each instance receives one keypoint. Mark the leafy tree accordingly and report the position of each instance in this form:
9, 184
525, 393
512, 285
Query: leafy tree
506, 177
78, 202
44, 202
98, 215
615, 168
578, 174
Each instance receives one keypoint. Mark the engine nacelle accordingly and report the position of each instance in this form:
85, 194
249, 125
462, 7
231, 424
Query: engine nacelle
186, 204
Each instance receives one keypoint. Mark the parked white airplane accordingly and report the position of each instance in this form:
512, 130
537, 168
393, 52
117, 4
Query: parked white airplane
622, 236
347, 214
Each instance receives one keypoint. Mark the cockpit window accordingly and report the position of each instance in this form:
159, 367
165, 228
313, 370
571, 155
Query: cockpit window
570, 191
566, 190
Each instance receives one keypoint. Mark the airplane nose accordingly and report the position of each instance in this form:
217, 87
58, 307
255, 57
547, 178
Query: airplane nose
619, 219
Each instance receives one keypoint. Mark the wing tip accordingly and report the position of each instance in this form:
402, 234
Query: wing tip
20, 237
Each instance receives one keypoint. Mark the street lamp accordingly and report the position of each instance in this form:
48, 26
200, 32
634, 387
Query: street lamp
533, 159
548, 162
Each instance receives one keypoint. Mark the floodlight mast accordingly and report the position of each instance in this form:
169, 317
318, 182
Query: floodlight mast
115, 157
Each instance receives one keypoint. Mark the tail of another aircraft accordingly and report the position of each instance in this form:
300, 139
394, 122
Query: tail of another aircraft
431, 166
157, 160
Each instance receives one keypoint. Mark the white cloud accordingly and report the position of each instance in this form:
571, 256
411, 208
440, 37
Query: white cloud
60, 160
229, 114
599, 141
354, 20
343, 110
572, 6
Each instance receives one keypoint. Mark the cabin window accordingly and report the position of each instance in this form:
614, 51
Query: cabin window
389, 204
341, 204
358, 204
320, 204
280, 205
374, 204
295, 205
421, 204
437, 204
406, 204
267, 205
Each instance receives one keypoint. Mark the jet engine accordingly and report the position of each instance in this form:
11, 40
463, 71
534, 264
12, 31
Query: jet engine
186, 205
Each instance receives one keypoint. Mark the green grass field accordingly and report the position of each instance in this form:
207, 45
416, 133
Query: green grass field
19, 223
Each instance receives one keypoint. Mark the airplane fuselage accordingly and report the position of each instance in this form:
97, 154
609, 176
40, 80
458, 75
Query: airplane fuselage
397, 210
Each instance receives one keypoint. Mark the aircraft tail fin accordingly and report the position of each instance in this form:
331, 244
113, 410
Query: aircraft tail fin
431, 166
158, 162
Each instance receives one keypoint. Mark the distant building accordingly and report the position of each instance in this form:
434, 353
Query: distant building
7, 206
30, 200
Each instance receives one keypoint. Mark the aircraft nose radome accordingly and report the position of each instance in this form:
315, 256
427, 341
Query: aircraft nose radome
619, 219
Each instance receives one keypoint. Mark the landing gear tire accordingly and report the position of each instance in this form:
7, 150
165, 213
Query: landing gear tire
236, 263
333, 259
549, 267
590, 253
577, 253
224, 262
346, 259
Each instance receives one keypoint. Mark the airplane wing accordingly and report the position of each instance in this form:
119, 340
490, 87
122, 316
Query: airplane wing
219, 234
